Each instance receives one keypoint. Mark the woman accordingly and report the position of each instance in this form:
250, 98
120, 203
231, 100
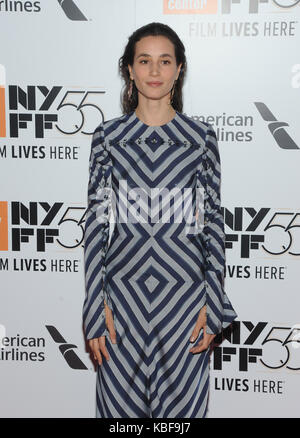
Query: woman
157, 286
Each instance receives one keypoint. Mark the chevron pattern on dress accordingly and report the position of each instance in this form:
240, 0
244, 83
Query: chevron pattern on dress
158, 267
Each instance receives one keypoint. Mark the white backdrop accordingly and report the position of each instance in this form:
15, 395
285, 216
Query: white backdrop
243, 78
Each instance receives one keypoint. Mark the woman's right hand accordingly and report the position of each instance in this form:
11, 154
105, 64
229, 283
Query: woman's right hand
97, 345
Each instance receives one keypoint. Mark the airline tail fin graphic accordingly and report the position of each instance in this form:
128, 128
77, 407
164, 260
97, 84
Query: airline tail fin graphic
67, 350
282, 138
71, 10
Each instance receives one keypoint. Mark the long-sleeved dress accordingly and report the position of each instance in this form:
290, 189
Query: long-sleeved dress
157, 268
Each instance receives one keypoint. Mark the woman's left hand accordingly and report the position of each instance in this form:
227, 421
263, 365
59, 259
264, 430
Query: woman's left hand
207, 338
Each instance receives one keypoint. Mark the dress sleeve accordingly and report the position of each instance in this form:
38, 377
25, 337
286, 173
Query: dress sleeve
96, 236
219, 311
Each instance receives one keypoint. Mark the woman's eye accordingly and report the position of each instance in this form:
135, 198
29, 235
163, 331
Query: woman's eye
165, 61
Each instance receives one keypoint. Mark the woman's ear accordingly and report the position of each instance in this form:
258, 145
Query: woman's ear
130, 70
179, 70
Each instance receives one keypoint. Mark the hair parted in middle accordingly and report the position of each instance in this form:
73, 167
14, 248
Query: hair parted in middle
129, 95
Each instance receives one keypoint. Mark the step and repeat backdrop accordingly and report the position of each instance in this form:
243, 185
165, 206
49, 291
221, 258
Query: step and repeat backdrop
58, 80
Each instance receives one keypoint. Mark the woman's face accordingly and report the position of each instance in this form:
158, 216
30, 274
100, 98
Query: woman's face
154, 68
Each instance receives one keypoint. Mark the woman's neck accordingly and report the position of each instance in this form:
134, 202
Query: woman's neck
151, 117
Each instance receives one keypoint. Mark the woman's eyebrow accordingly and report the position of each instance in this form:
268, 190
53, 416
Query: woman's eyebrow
162, 55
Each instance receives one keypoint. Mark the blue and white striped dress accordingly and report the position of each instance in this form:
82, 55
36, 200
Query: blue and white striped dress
154, 274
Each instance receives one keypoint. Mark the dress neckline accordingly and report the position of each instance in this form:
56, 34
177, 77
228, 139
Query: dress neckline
155, 126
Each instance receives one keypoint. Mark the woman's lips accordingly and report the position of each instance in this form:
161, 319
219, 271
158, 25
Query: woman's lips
154, 84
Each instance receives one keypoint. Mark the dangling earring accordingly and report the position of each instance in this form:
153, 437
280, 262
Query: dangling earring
172, 93
129, 93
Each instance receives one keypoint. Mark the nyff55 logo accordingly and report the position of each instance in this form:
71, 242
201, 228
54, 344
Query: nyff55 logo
225, 6
40, 224
252, 229
271, 346
40, 108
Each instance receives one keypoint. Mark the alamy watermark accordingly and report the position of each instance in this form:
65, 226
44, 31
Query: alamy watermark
158, 204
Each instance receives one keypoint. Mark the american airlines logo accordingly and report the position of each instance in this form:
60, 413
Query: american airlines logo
276, 127
71, 10
66, 349
69, 7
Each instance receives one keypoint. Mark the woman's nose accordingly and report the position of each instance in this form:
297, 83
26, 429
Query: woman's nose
154, 69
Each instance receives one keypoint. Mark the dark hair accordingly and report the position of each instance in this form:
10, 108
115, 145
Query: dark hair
153, 29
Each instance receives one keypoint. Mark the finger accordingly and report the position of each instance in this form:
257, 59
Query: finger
201, 322
207, 337
110, 325
103, 347
112, 331
93, 346
201, 346
194, 335
96, 351
198, 326
112, 334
